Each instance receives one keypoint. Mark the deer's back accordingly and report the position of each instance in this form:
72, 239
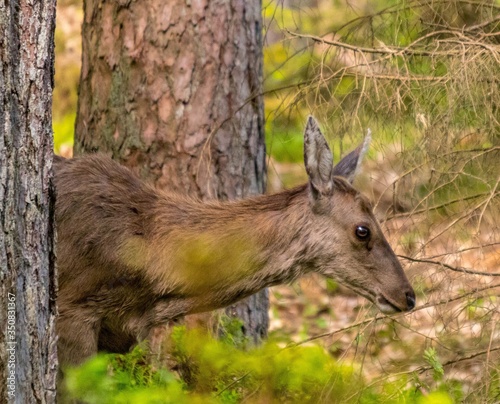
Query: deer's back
99, 204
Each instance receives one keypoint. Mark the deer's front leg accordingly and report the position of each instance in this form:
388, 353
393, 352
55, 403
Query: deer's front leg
77, 331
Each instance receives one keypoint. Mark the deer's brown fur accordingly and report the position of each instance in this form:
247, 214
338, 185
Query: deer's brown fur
131, 257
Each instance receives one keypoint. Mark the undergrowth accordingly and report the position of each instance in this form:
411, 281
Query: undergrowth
226, 370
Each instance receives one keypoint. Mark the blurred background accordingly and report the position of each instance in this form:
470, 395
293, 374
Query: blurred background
424, 77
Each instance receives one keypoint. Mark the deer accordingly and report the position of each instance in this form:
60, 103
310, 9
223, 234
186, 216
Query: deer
132, 257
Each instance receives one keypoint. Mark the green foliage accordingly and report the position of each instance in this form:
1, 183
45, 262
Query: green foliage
67, 73
296, 374
437, 397
331, 285
493, 387
286, 146
426, 90
64, 132
231, 332
430, 356
123, 379
218, 371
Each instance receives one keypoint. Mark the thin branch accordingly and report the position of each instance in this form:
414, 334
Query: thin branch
480, 152
483, 24
385, 50
413, 5
423, 369
491, 196
239, 379
460, 251
440, 206
381, 316
452, 268
463, 216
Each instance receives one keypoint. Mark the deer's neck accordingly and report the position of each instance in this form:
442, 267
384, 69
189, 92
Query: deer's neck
220, 252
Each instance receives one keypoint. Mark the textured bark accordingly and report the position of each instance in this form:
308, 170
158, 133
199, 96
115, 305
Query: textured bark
27, 273
170, 90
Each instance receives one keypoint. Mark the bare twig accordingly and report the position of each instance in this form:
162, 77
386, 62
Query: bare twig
384, 50
451, 268
381, 316
423, 369
488, 350
234, 382
440, 206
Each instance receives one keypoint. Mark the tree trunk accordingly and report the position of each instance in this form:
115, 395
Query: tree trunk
28, 363
170, 89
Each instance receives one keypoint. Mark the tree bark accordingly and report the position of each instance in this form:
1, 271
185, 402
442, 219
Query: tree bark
171, 89
28, 356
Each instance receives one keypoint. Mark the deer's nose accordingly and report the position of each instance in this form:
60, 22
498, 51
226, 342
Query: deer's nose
410, 300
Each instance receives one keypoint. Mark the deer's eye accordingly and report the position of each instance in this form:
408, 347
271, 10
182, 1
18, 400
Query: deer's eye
362, 233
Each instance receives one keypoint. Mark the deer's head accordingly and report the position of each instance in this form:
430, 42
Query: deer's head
350, 245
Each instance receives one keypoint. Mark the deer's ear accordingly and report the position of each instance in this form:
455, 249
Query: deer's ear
349, 166
318, 159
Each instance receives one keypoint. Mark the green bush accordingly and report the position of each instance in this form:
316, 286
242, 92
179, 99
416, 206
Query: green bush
222, 371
